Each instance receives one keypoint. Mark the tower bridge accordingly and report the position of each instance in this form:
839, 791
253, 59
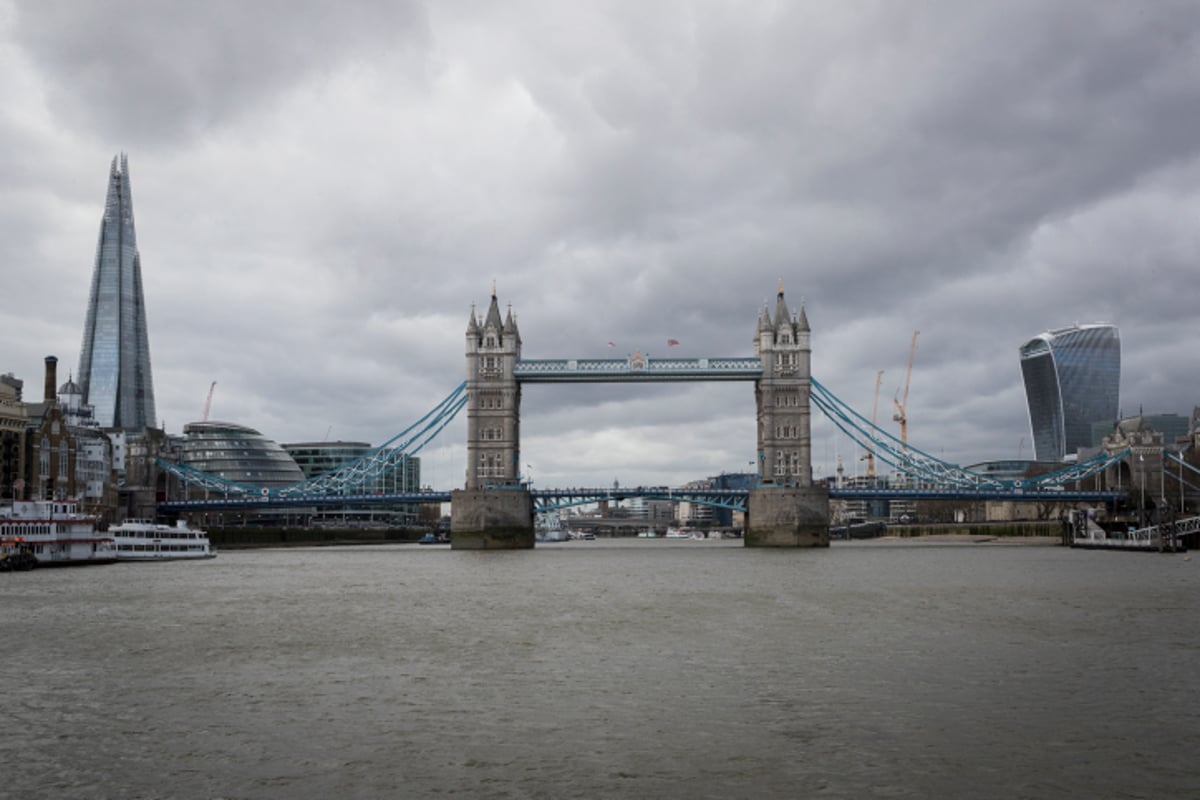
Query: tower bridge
784, 508
495, 509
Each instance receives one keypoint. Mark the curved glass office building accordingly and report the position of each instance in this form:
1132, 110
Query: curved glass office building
1072, 380
237, 453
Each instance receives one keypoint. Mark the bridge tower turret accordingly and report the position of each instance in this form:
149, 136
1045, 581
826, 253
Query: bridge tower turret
493, 399
782, 396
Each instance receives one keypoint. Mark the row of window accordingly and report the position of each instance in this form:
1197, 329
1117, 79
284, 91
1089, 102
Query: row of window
143, 534
166, 548
788, 463
491, 465
63, 458
18, 529
787, 360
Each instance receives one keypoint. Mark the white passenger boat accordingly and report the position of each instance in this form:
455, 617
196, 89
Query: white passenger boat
143, 540
54, 532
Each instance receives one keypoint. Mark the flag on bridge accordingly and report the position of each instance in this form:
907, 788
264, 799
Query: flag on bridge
672, 342
612, 344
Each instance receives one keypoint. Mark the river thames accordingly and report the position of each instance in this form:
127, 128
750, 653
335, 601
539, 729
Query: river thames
615, 668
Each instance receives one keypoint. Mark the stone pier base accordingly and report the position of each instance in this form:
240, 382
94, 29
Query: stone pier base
491, 519
788, 516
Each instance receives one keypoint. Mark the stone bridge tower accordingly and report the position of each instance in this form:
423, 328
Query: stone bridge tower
494, 510
785, 509
782, 397
493, 400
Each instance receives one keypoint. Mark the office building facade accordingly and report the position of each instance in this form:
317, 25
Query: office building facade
317, 458
114, 360
1072, 380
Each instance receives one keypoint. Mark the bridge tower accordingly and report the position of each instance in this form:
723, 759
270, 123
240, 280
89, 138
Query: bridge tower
494, 510
785, 510
493, 400
782, 396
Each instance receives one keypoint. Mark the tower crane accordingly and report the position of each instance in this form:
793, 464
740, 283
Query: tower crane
901, 414
870, 456
208, 402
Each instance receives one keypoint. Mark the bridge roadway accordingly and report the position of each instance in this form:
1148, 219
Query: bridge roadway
635, 369
550, 499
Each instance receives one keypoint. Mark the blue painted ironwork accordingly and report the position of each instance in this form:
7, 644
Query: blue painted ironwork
938, 473
553, 499
937, 479
738, 499
350, 478
636, 368
250, 502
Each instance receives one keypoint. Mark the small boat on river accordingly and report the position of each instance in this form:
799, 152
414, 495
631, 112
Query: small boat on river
54, 532
145, 540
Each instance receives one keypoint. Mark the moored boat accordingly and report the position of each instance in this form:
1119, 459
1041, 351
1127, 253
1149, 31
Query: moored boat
1086, 534
145, 540
54, 532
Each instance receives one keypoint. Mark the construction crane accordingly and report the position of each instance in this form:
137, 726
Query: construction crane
901, 414
870, 456
208, 402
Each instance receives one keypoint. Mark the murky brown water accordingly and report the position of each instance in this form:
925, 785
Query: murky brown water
607, 669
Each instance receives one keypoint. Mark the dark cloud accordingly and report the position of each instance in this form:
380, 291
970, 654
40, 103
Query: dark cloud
147, 74
322, 194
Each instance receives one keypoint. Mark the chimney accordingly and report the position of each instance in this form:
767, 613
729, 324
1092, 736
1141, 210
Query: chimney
51, 379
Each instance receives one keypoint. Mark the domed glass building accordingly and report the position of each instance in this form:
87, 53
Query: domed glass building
237, 453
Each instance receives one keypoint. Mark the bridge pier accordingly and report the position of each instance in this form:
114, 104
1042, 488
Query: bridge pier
491, 519
788, 516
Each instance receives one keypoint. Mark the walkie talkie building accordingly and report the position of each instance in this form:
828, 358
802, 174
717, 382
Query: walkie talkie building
1072, 380
114, 362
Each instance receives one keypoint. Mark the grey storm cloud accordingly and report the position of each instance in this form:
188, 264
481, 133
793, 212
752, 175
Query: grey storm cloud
151, 72
322, 192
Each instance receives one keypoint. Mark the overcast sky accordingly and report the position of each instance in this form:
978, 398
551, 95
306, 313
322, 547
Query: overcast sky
322, 191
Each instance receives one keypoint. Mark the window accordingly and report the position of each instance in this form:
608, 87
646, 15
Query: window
44, 458
63, 459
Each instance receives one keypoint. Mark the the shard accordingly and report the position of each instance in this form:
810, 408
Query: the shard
114, 362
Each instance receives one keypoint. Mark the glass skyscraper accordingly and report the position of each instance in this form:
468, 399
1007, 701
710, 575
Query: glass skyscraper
114, 362
1072, 380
